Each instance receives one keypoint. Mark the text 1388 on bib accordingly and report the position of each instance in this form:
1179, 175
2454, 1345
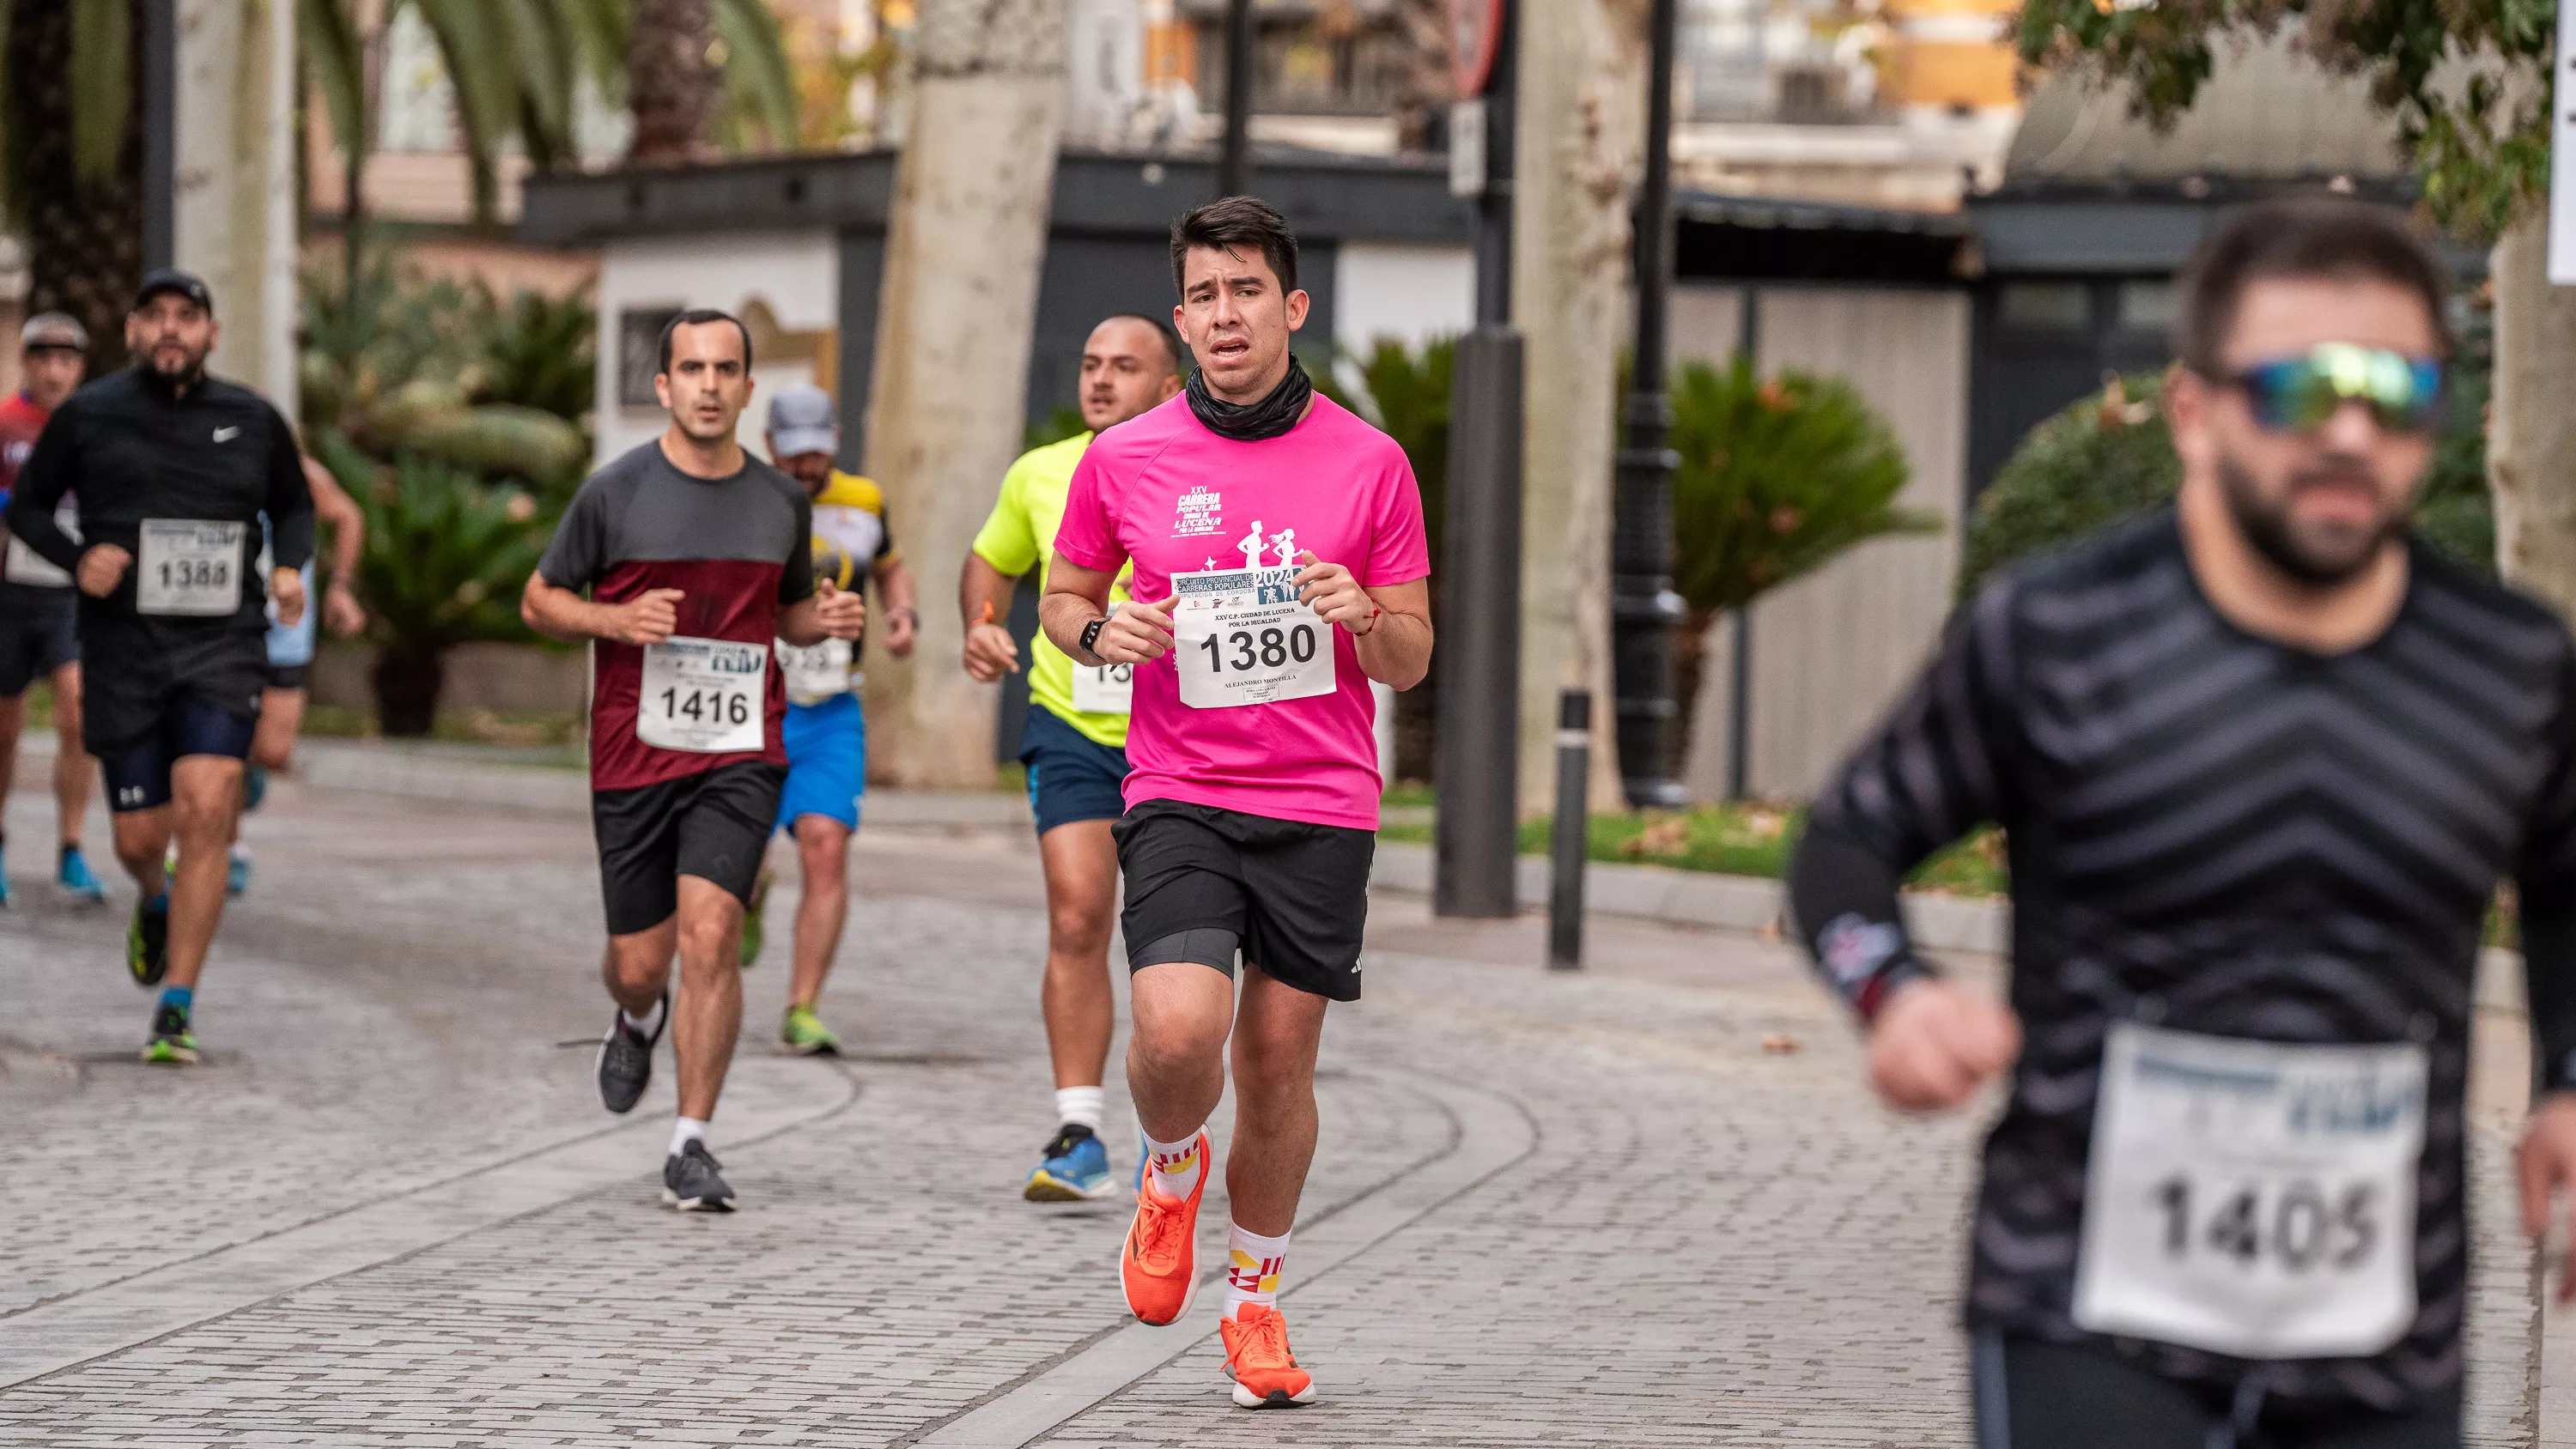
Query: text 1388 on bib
186, 567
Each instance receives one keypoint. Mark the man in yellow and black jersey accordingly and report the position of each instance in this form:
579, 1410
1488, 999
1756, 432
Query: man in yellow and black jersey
1074, 746
827, 735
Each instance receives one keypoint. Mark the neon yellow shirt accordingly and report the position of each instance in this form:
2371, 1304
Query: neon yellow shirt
1021, 536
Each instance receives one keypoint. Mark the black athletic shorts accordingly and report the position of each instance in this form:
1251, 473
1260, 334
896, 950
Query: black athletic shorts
39, 633
191, 723
2034, 1395
713, 825
1203, 882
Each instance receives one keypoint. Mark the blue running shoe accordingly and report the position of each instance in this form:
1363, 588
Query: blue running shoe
4, 884
75, 878
1076, 1168
237, 874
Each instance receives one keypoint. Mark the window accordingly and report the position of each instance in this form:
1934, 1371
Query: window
639, 353
2147, 306
2057, 306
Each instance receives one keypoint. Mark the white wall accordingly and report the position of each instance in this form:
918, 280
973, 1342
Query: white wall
796, 274
1412, 292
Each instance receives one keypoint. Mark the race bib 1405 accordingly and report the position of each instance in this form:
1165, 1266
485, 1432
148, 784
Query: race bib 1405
703, 695
2252, 1198
1241, 637
189, 567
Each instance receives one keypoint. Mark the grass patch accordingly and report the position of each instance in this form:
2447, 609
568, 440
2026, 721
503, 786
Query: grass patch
1752, 838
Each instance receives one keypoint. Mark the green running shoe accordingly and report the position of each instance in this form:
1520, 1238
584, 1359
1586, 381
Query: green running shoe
751, 919
171, 1043
147, 943
805, 1034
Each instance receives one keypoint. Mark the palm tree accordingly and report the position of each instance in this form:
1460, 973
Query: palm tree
700, 72
75, 159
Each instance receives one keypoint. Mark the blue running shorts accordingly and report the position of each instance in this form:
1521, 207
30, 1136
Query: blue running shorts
1071, 776
827, 761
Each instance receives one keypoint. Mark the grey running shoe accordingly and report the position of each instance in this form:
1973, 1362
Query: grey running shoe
692, 1183
626, 1061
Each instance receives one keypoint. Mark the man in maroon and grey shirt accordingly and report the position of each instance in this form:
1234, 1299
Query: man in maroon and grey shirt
696, 556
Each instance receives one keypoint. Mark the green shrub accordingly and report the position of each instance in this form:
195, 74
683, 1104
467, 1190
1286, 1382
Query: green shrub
1405, 392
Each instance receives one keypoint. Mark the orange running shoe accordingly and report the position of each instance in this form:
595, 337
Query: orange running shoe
1265, 1373
1159, 1266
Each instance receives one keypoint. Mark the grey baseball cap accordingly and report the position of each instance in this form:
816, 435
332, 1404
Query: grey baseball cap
801, 421
54, 329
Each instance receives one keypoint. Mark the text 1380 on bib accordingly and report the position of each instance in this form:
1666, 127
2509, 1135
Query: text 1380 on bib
2252, 1198
706, 696
1241, 637
188, 567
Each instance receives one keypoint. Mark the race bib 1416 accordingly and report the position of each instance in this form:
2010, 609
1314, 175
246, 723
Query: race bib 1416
705, 696
1241, 637
2252, 1198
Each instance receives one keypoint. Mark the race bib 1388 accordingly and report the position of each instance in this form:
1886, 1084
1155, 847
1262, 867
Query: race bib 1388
188, 567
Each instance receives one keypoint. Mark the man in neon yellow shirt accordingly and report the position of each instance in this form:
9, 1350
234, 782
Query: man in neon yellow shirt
1074, 746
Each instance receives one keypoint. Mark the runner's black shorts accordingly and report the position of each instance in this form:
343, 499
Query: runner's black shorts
191, 723
2035, 1395
713, 825
39, 633
1203, 882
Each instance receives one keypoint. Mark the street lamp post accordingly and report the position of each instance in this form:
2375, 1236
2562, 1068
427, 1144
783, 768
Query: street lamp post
1234, 163
1645, 613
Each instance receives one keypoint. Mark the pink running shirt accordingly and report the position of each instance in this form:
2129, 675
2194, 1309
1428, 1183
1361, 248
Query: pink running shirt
1165, 492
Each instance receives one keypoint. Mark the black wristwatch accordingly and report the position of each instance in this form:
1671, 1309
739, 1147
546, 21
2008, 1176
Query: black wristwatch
1090, 632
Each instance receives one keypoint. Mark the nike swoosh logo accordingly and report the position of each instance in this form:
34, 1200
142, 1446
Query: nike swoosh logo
226, 435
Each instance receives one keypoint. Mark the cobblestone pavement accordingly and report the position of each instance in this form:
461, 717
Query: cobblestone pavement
1595, 1209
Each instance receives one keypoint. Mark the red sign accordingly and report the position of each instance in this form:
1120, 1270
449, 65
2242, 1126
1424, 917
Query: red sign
1475, 33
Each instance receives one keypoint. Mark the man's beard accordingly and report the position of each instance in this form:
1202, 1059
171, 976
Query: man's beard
2319, 558
192, 366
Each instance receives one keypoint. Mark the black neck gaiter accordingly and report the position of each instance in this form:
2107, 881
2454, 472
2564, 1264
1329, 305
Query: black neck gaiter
1252, 422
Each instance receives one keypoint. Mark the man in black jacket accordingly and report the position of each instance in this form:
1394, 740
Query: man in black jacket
174, 470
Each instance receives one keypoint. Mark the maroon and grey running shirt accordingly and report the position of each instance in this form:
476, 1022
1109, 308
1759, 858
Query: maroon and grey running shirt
739, 549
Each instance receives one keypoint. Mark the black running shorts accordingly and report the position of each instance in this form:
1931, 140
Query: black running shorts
1202, 882
2036, 1395
38, 635
189, 723
713, 825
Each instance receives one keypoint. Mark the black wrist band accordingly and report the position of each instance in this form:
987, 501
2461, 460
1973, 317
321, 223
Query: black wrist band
1091, 632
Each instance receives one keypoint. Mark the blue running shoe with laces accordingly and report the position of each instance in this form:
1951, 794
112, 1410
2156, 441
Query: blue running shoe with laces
237, 872
76, 880
4, 879
1076, 1168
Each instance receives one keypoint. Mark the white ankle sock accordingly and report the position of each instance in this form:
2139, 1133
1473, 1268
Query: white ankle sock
1252, 1264
644, 1026
1086, 1105
1178, 1166
689, 1130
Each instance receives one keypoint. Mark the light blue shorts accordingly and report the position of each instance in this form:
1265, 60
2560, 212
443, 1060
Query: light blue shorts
827, 761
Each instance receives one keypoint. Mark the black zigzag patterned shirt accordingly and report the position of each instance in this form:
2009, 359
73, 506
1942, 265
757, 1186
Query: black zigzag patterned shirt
2219, 834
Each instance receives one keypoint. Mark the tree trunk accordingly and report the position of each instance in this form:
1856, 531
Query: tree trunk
956, 315
671, 84
1581, 148
233, 205
408, 678
84, 239
2531, 436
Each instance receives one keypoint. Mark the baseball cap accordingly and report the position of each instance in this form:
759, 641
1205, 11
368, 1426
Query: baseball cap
801, 421
172, 279
54, 329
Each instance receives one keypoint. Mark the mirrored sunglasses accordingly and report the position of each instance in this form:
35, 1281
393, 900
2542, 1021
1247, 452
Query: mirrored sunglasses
2298, 394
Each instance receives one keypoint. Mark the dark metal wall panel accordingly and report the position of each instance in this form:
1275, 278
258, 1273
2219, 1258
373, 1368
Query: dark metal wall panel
862, 276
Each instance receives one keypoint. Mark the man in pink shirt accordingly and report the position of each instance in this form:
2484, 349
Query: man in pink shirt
1280, 566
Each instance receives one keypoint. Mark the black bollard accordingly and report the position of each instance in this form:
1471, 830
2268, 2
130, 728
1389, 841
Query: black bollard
1571, 843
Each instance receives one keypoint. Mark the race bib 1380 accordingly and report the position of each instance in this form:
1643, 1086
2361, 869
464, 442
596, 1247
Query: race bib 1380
703, 695
2252, 1198
1240, 637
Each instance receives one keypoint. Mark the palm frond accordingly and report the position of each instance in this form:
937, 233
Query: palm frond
760, 83
484, 72
328, 35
